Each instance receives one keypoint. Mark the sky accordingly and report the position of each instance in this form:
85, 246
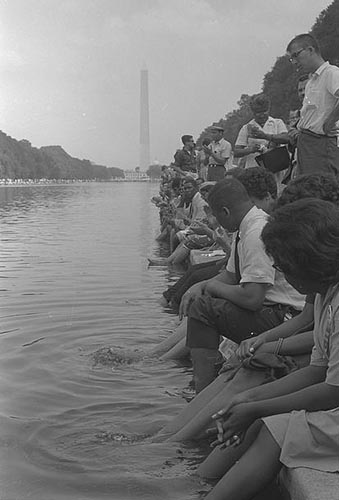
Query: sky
70, 69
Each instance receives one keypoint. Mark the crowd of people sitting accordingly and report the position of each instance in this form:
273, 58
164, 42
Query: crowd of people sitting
259, 299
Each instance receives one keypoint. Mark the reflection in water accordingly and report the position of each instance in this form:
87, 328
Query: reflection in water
78, 311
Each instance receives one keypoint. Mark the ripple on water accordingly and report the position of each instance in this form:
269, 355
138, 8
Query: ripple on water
79, 311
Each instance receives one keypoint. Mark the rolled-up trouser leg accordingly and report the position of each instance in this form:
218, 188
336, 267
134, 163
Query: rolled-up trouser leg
209, 318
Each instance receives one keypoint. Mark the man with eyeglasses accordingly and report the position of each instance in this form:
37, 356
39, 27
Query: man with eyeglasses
318, 139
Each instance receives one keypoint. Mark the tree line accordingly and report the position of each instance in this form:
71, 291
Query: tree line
19, 160
280, 83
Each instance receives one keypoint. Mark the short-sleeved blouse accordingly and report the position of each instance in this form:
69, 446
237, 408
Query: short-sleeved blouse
311, 439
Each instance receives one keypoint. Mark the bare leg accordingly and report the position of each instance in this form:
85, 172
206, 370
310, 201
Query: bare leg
176, 257
172, 340
196, 417
204, 366
254, 471
179, 255
173, 240
193, 408
177, 352
221, 460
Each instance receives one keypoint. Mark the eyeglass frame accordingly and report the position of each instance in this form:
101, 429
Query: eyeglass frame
294, 56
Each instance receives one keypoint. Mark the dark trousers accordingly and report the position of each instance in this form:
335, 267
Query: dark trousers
317, 154
208, 318
194, 274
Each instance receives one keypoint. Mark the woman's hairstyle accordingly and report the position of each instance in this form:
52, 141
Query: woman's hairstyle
258, 181
227, 193
303, 240
321, 186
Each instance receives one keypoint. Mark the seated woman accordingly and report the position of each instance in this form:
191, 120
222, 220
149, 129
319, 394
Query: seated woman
193, 420
293, 421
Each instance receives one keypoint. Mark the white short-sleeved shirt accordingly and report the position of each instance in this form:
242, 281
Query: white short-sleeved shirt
257, 267
320, 98
222, 148
272, 126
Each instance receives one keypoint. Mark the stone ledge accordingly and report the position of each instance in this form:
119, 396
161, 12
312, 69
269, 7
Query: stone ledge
309, 484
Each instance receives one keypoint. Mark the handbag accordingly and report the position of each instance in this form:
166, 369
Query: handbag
274, 160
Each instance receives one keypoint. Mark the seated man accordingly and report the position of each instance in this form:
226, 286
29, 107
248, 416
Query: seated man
249, 297
261, 187
196, 212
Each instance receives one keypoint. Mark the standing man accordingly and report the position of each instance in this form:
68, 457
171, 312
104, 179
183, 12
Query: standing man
219, 154
185, 162
260, 134
317, 143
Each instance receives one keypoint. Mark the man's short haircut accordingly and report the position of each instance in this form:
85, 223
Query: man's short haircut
260, 103
305, 40
321, 186
186, 138
190, 180
227, 193
258, 181
303, 240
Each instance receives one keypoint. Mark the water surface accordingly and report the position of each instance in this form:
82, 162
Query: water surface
76, 418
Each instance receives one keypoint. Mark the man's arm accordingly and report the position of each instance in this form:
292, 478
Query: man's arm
240, 151
247, 295
266, 341
225, 277
330, 122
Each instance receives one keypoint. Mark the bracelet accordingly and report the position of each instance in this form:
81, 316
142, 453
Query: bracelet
279, 345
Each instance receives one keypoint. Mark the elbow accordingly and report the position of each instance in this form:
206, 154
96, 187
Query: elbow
254, 304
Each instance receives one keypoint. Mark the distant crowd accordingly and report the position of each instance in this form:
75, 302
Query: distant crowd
255, 231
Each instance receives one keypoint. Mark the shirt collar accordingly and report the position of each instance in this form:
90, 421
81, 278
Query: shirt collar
321, 68
247, 221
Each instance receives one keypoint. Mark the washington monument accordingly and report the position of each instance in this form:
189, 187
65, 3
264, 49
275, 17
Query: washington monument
144, 160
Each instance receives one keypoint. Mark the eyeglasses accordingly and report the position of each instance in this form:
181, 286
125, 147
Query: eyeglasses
296, 54
277, 268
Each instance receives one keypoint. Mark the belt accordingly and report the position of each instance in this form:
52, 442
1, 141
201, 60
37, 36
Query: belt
216, 165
